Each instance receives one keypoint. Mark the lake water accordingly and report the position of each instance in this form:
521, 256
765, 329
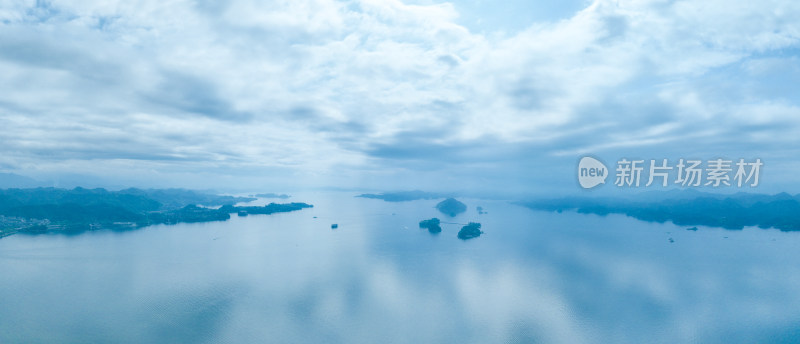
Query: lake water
289, 278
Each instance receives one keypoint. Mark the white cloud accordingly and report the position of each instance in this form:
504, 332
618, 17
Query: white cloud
320, 86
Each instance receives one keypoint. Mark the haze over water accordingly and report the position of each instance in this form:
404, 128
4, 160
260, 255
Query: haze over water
533, 276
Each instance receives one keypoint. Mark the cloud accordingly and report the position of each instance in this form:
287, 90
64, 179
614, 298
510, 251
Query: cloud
338, 90
193, 95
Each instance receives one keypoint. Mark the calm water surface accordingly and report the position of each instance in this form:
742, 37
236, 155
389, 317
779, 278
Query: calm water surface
289, 278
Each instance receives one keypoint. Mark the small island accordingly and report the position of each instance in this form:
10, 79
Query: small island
272, 195
403, 196
432, 225
471, 230
451, 207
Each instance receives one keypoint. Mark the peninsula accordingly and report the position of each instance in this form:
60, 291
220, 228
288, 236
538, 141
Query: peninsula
690, 208
53, 210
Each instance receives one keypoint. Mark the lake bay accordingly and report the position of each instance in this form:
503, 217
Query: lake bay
534, 276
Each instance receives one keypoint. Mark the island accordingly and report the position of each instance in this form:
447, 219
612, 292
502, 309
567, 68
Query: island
451, 207
54, 210
403, 196
272, 195
471, 230
265, 210
432, 225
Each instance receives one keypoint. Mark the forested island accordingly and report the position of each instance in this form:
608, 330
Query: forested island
46, 210
432, 225
404, 196
691, 208
451, 207
272, 195
470, 231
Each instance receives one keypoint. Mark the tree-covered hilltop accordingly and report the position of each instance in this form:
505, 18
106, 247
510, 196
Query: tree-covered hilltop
132, 199
452, 207
432, 225
471, 230
780, 211
61, 210
34, 198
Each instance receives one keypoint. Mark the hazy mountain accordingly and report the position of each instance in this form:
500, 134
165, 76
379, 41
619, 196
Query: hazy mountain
11, 180
690, 208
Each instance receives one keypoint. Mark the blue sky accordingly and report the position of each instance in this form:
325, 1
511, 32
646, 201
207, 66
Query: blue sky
465, 95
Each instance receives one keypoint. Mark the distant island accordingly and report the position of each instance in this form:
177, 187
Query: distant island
45, 210
403, 196
451, 207
471, 230
265, 210
272, 195
432, 225
690, 208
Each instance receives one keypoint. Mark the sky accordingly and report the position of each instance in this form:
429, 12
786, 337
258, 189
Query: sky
392, 95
